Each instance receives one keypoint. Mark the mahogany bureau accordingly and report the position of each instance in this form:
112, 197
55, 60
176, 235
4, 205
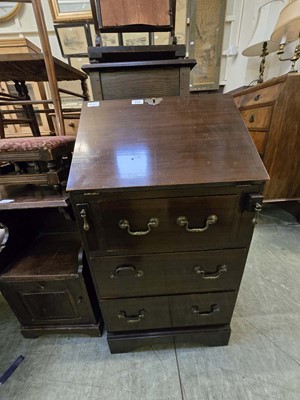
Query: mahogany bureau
165, 196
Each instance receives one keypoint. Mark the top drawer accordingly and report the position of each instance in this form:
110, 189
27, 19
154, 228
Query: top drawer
159, 225
257, 97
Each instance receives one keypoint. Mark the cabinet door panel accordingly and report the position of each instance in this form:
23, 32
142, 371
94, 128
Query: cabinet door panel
44, 302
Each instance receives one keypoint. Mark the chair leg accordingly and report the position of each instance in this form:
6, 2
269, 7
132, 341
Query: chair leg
2, 132
28, 109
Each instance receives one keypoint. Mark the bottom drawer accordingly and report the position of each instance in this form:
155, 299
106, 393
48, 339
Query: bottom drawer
168, 311
260, 141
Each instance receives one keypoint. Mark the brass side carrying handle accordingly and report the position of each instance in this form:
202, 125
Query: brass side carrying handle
211, 220
4, 235
213, 309
257, 97
86, 225
132, 319
251, 118
127, 267
257, 210
153, 223
210, 275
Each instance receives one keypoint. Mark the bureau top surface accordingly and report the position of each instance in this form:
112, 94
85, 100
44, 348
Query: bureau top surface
182, 141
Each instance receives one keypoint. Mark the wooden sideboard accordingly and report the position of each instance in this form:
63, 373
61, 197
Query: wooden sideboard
44, 275
271, 112
164, 196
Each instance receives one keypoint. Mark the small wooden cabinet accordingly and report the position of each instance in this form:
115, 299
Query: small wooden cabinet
45, 276
271, 114
165, 214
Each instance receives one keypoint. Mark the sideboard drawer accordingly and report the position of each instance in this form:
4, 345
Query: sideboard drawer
175, 273
260, 140
257, 118
258, 97
168, 311
159, 225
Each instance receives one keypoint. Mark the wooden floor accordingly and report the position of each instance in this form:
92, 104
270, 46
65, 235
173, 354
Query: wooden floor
261, 362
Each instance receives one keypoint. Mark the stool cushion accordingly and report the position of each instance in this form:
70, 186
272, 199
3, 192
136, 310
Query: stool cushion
34, 143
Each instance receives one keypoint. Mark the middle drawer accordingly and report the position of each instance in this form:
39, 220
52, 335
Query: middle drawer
176, 273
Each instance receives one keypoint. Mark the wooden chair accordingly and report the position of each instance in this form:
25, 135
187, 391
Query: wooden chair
38, 160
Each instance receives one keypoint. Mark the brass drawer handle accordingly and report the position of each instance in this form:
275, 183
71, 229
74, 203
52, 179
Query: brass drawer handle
136, 273
251, 118
213, 309
153, 223
210, 275
257, 97
132, 319
86, 225
182, 221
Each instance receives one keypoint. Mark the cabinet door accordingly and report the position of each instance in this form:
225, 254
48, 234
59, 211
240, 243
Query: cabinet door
43, 303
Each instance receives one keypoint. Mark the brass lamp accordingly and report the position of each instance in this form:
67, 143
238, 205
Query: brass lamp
286, 30
260, 43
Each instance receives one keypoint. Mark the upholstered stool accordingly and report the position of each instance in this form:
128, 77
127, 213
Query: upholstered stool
36, 160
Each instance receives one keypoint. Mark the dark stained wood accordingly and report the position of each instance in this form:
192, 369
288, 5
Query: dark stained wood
136, 53
207, 336
142, 83
82, 329
29, 196
181, 141
44, 273
187, 156
280, 97
46, 288
139, 64
22, 229
139, 79
50, 255
31, 67
168, 236
174, 273
159, 312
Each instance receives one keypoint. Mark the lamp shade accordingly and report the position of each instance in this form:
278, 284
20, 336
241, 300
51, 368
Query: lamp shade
287, 28
267, 17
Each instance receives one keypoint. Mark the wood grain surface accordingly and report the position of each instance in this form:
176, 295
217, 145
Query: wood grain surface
182, 141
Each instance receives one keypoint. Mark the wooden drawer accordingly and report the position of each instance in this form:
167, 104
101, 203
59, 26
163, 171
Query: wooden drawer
168, 311
258, 97
257, 118
168, 273
260, 140
157, 225
71, 126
